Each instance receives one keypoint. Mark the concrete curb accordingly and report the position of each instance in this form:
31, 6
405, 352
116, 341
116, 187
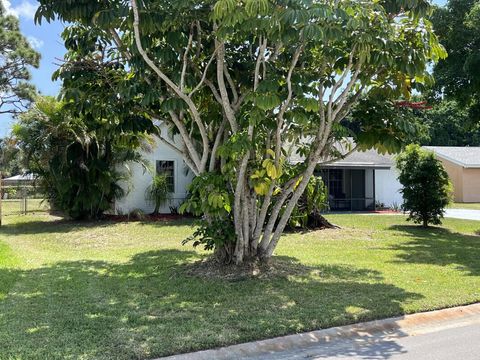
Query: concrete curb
392, 327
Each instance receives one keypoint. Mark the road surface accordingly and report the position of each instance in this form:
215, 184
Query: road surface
466, 214
447, 334
462, 343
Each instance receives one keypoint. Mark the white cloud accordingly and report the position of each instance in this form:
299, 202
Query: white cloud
35, 42
26, 9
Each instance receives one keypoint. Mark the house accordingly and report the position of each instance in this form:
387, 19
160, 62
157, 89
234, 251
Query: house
162, 160
361, 181
357, 182
19, 180
463, 168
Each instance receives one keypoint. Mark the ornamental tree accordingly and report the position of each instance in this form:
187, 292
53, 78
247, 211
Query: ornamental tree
16, 56
426, 186
246, 84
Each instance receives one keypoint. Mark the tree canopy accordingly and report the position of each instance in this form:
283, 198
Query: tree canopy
457, 76
16, 56
247, 83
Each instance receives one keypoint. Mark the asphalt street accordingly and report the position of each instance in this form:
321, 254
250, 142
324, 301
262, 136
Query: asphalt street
462, 343
463, 214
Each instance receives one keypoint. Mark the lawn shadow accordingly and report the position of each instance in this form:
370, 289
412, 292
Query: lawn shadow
63, 225
149, 307
439, 246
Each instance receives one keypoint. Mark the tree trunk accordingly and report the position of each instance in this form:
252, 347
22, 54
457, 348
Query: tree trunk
318, 221
425, 222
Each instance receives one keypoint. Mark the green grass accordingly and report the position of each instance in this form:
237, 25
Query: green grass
120, 291
472, 206
15, 206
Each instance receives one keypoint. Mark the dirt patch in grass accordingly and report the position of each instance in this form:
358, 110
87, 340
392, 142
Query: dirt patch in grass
277, 267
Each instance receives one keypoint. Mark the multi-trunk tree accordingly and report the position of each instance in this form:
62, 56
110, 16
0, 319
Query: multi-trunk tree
246, 85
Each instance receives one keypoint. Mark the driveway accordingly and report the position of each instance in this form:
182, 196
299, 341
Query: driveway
466, 214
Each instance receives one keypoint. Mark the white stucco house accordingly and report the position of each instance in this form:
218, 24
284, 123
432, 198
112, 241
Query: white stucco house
162, 159
358, 182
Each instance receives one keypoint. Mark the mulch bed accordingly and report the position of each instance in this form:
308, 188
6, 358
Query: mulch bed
148, 217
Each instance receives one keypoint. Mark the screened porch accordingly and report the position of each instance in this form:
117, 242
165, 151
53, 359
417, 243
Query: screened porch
349, 189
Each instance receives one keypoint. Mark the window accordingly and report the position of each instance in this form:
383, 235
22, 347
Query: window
167, 168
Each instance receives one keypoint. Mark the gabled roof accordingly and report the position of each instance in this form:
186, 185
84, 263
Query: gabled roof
467, 157
23, 177
357, 159
365, 159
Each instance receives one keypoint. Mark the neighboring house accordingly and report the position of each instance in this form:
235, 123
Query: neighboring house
19, 180
358, 182
463, 168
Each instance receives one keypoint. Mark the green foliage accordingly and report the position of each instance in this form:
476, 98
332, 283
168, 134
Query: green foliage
450, 124
209, 198
208, 194
426, 186
377, 122
311, 204
78, 161
457, 76
16, 56
213, 233
10, 157
158, 192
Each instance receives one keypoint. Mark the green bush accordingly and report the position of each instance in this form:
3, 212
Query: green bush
426, 186
80, 159
313, 201
158, 192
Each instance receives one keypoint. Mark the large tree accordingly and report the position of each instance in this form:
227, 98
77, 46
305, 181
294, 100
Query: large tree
458, 28
247, 83
16, 56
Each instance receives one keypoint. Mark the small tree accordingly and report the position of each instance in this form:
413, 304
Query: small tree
308, 212
426, 186
158, 192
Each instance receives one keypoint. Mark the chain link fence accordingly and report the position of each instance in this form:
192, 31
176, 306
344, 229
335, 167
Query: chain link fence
22, 200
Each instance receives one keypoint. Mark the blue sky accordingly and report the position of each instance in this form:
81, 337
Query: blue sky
46, 39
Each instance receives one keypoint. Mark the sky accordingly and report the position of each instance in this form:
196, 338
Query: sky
45, 39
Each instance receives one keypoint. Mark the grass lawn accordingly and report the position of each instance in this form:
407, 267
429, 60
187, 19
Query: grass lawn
120, 290
15, 206
472, 206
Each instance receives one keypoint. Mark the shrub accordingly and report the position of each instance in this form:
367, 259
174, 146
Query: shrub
79, 158
307, 213
426, 186
158, 192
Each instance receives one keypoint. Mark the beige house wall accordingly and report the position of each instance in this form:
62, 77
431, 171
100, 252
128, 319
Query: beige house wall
471, 185
455, 172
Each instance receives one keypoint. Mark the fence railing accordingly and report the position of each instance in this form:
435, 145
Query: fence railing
21, 199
